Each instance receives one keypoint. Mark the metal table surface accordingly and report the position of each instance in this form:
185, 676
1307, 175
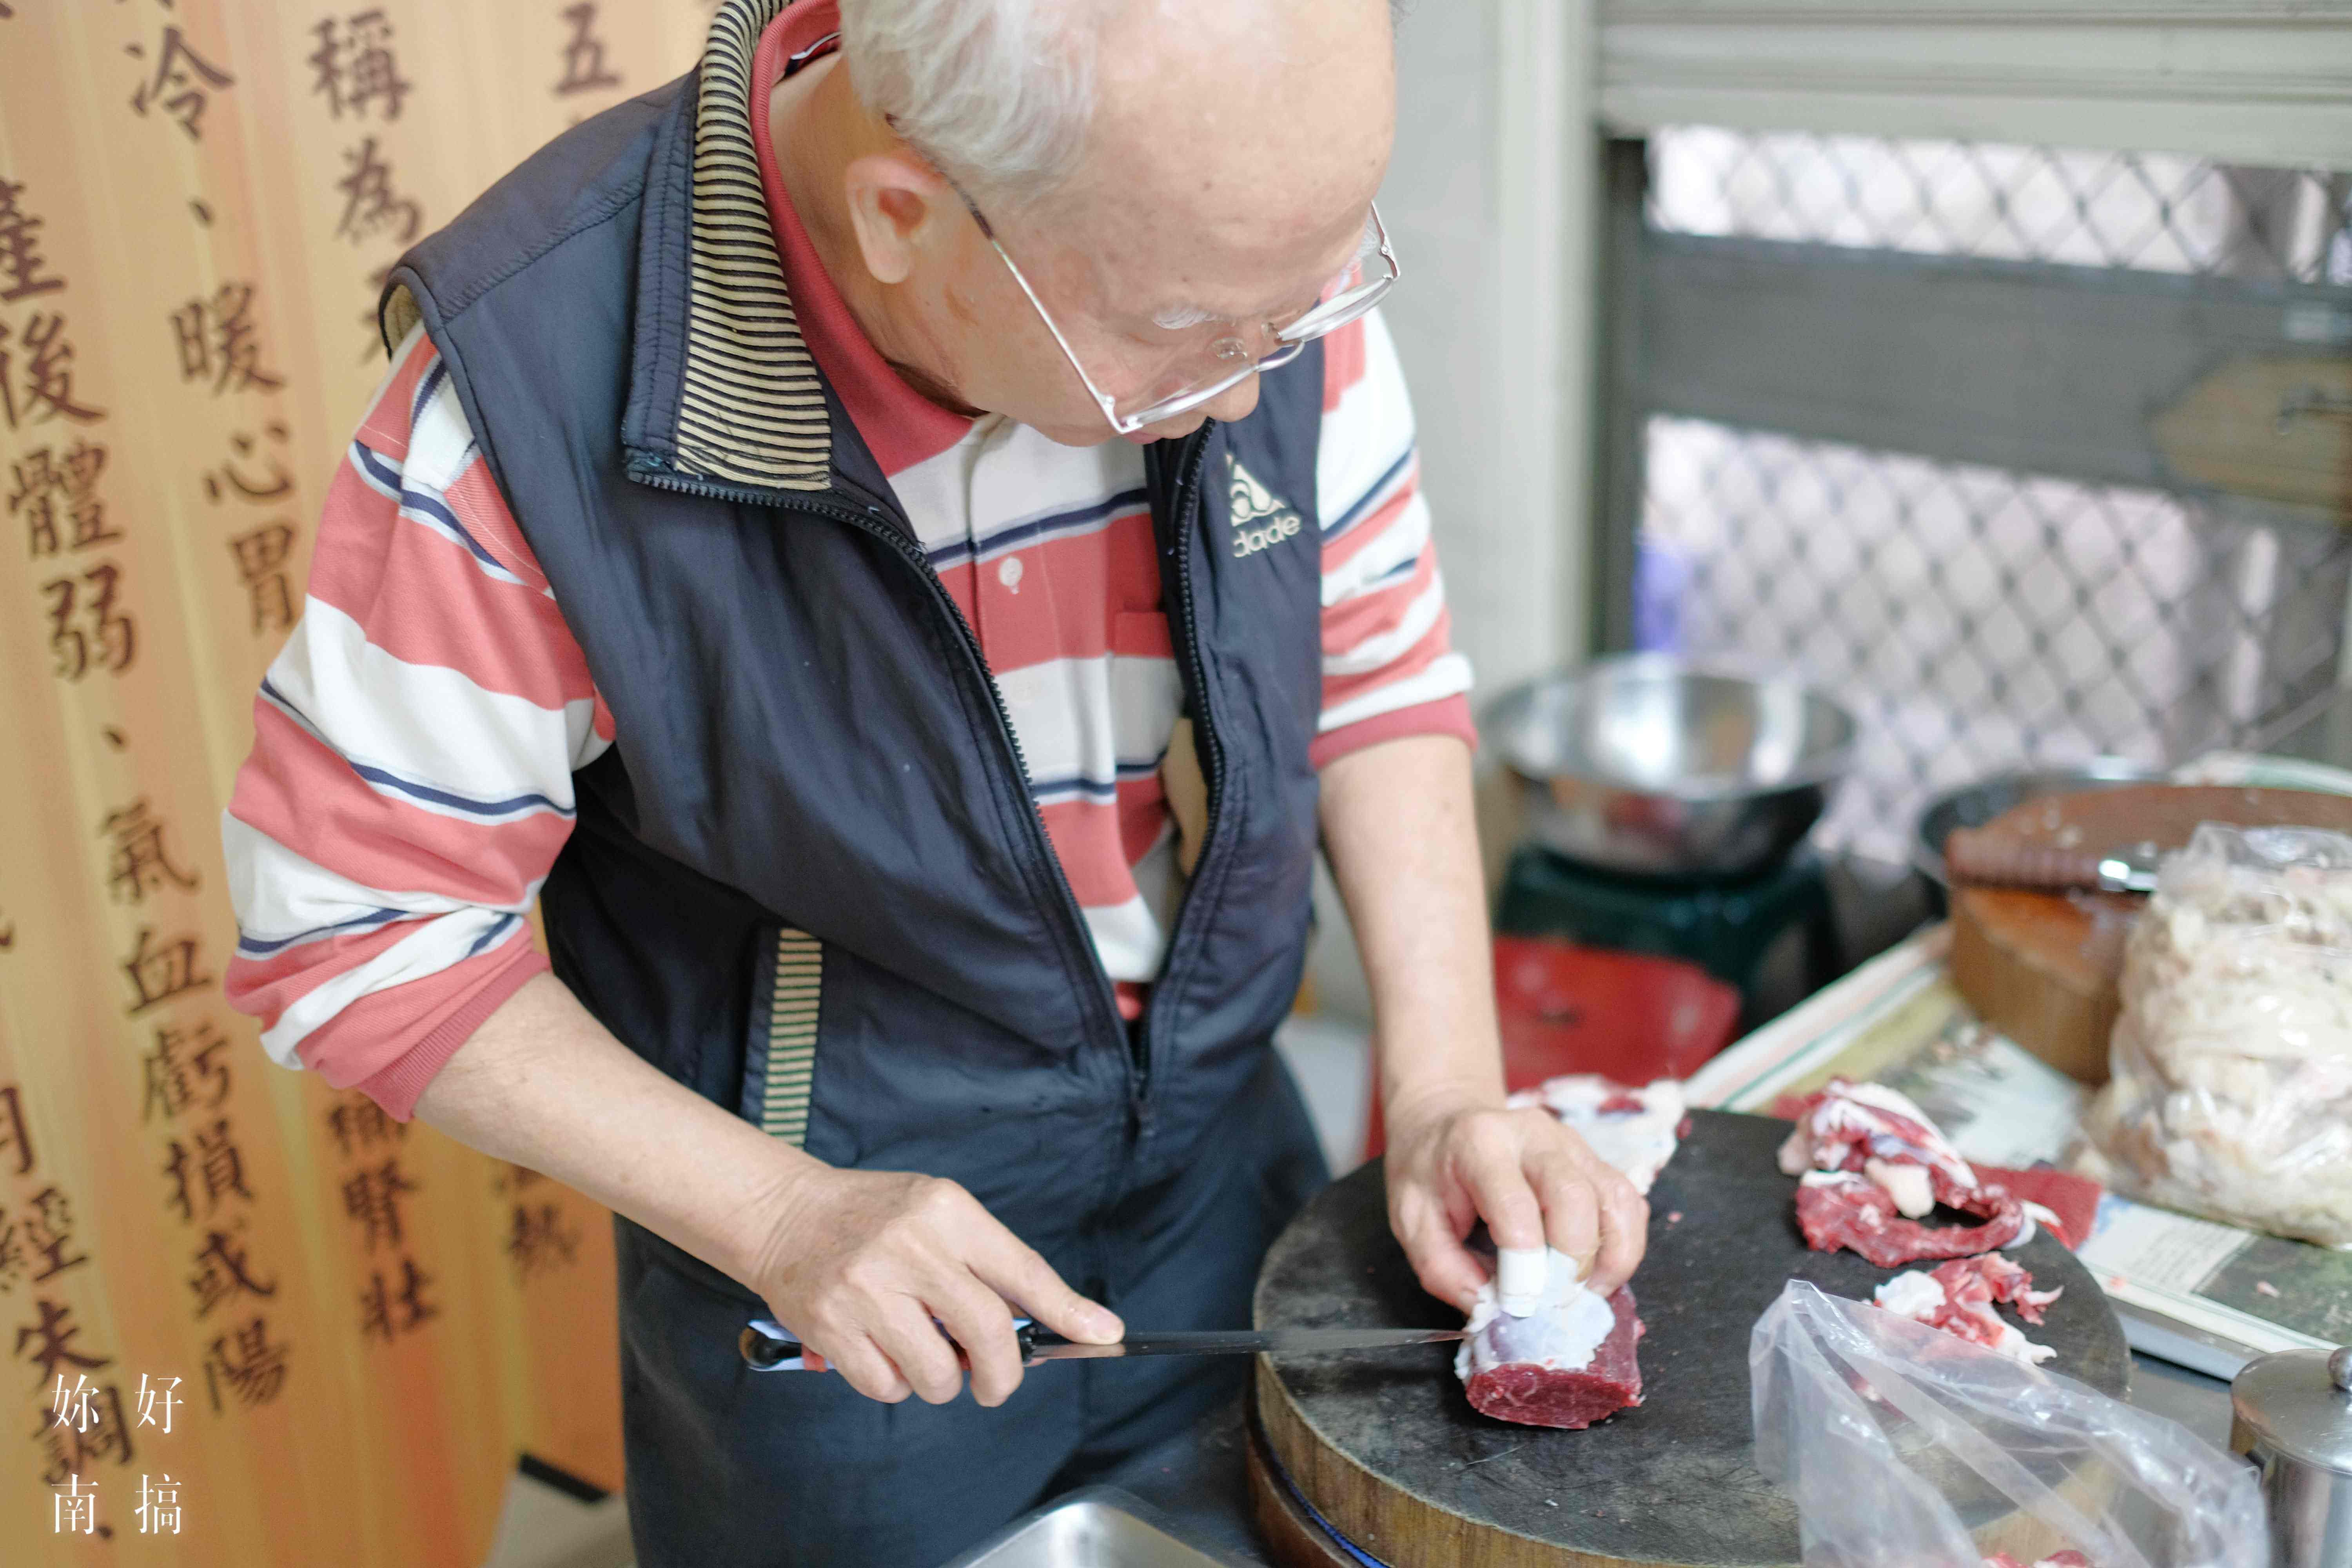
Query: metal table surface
1197, 1477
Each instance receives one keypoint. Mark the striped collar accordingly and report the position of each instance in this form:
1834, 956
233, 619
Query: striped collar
752, 409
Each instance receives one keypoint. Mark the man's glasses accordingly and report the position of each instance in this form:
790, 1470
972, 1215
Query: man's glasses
1207, 365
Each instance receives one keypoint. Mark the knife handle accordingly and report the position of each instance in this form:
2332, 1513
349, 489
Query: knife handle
1974, 854
765, 1347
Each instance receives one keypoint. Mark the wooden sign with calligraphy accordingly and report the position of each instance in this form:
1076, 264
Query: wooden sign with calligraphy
244, 1319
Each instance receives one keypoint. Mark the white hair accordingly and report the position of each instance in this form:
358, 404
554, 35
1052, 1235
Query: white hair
999, 93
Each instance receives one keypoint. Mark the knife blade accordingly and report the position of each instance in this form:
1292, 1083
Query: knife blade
766, 1347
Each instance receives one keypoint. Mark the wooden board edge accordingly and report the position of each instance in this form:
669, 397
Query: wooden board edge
1406, 1531
1399, 1527
1294, 1540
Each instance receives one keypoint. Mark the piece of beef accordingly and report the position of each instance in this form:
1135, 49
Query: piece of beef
1837, 1208
2067, 1559
1570, 1362
1547, 1370
1958, 1298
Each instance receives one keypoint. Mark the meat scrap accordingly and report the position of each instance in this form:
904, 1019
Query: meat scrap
1874, 1167
1958, 1298
1835, 1208
2068, 1559
1634, 1131
1878, 1132
1569, 1364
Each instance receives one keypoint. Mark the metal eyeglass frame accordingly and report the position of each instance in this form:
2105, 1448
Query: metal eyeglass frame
1325, 317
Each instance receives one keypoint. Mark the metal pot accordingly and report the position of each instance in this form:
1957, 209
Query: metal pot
1644, 766
2291, 1414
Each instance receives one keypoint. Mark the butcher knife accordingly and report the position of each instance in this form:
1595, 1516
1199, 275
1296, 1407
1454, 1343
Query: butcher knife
766, 1347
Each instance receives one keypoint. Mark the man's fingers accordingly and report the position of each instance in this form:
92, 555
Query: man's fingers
1625, 1233
867, 1368
1016, 1271
1514, 1216
1444, 1266
1571, 1211
977, 1319
920, 1352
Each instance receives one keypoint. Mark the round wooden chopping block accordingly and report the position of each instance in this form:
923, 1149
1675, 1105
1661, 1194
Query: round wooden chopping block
2042, 967
1387, 1449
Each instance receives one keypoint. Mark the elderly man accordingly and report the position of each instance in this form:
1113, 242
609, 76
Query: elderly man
903, 542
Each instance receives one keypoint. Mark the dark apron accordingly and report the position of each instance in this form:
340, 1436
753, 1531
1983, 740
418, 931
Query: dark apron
727, 1467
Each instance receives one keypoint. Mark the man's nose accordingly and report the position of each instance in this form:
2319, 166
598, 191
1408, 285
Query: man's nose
1234, 403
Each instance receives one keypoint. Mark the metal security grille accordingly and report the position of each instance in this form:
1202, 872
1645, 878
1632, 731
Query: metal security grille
2149, 210
1975, 614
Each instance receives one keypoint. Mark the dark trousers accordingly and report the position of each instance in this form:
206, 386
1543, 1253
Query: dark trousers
731, 1468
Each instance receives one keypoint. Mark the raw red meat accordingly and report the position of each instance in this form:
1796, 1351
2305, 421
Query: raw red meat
2067, 1559
2071, 1201
1534, 1393
1835, 1208
1958, 1298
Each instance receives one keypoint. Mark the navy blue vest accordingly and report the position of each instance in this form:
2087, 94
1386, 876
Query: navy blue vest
809, 873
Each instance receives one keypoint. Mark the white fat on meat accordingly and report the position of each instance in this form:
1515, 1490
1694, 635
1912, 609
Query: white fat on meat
1910, 1186
1561, 1332
1636, 1136
1913, 1294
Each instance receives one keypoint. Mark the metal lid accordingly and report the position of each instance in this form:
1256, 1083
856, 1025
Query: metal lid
2299, 1402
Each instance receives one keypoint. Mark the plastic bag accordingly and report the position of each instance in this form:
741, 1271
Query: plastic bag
2232, 1062
1896, 1438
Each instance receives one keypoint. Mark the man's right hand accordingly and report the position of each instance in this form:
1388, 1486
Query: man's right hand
859, 1264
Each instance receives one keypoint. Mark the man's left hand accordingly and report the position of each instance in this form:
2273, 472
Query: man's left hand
1454, 1161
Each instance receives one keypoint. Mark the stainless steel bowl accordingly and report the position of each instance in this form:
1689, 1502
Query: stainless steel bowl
1974, 805
1099, 1527
1645, 765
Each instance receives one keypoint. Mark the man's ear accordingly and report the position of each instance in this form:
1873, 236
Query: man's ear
896, 204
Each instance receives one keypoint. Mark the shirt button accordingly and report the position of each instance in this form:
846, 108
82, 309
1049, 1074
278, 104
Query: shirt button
1008, 572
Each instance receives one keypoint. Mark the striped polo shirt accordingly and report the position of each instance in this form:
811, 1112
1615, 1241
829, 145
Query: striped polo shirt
410, 783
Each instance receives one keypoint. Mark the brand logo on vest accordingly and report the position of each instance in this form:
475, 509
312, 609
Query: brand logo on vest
1261, 518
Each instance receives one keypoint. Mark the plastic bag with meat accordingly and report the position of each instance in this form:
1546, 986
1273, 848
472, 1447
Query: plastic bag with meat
1865, 1417
2231, 1092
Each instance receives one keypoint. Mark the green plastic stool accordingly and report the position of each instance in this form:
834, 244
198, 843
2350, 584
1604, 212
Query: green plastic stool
1725, 928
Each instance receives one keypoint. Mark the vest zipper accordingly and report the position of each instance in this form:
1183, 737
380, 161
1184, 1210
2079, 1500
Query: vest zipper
1106, 1006
1212, 750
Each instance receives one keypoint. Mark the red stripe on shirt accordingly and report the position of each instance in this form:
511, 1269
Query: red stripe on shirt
390, 1043
1446, 716
1354, 621
422, 597
1343, 363
385, 426
1079, 598
1433, 645
297, 790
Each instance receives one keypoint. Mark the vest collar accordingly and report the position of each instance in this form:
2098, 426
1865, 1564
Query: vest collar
752, 409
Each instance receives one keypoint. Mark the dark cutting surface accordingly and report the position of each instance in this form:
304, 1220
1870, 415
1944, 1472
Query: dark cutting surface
1671, 1481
